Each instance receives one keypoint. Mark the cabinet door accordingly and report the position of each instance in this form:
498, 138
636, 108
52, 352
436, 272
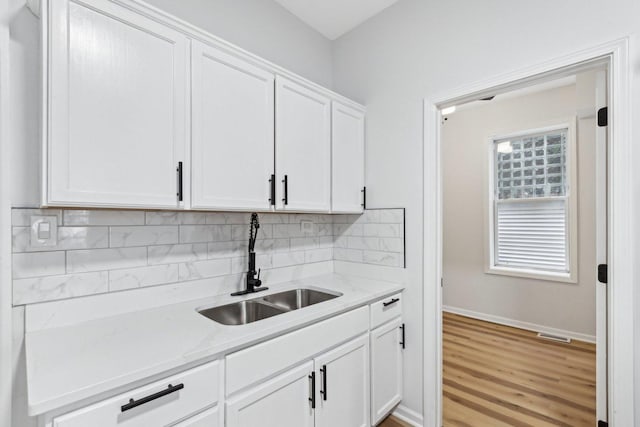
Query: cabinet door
343, 389
386, 369
233, 122
117, 107
347, 159
281, 402
303, 148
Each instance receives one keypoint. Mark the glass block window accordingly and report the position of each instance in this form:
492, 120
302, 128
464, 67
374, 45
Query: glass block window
531, 202
531, 166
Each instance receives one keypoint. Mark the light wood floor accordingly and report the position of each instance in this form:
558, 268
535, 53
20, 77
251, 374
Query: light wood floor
392, 422
495, 375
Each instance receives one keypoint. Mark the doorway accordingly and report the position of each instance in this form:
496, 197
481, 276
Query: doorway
614, 57
520, 238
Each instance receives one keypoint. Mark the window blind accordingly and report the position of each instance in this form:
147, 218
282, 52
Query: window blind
532, 234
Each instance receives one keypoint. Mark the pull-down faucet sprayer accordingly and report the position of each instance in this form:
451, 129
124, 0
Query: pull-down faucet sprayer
253, 282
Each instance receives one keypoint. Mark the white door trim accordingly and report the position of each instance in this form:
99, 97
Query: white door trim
6, 326
620, 221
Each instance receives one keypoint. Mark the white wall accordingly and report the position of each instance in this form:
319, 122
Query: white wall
419, 48
465, 167
262, 27
258, 26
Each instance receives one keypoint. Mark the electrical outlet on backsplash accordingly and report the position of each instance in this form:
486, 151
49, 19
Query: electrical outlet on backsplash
99, 251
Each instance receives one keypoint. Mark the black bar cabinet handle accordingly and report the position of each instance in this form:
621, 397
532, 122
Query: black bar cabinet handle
402, 342
312, 399
272, 199
323, 392
285, 181
133, 403
388, 303
364, 197
179, 171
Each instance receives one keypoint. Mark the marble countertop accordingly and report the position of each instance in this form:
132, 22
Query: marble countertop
71, 363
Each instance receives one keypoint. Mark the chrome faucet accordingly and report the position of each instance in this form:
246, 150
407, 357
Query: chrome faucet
253, 278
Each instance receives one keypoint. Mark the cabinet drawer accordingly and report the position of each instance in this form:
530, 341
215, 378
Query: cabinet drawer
208, 418
385, 310
167, 401
261, 361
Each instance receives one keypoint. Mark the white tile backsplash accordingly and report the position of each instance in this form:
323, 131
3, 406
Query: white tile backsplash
94, 217
175, 218
131, 278
204, 269
143, 235
204, 233
187, 252
38, 264
105, 259
114, 250
38, 289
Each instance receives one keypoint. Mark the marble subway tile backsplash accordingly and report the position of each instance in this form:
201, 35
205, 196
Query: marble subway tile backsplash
100, 251
375, 237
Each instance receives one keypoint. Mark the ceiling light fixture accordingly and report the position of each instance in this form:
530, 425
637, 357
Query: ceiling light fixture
448, 110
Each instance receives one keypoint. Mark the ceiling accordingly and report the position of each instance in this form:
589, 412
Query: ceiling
333, 18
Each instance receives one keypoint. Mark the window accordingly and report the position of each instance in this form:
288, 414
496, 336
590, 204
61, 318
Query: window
532, 209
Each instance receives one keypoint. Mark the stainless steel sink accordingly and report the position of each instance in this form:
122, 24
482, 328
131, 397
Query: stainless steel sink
248, 311
299, 298
241, 312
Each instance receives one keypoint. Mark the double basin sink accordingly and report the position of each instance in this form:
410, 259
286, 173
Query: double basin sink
252, 310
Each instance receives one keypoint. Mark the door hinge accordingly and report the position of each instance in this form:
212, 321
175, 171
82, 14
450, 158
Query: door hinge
603, 273
603, 423
603, 116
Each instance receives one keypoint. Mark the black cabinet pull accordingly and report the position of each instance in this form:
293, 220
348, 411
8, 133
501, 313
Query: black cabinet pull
364, 197
272, 199
323, 392
388, 303
312, 399
285, 181
403, 340
179, 172
133, 403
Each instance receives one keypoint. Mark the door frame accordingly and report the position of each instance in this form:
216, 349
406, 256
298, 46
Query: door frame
6, 301
620, 220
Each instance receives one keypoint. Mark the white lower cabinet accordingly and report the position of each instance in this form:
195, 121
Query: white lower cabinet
158, 404
343, 385
386, 368
335, 373
208, 418
330, 391
284, 401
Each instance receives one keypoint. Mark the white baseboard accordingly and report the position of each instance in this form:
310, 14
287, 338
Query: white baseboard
519, 324
408, 416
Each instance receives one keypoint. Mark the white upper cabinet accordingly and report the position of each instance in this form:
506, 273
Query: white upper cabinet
232, 131
140, 113
347, 159
117, 107
303, 148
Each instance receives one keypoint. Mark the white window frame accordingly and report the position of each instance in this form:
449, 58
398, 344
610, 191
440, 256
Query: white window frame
571, 208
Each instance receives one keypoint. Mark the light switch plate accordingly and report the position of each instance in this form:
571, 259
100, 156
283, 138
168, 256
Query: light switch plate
44, 231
